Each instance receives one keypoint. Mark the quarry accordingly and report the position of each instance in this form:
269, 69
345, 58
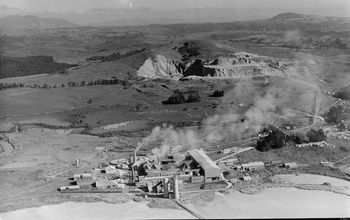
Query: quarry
248, 119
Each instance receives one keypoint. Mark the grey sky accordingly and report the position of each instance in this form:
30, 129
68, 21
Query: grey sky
83, 5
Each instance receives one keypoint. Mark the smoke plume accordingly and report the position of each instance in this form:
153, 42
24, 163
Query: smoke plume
264, 103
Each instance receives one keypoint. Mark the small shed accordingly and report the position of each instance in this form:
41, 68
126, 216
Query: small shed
226, 151
111, 170
67, 188
246, 178
83, 176
234, 180
106, 184
291, 165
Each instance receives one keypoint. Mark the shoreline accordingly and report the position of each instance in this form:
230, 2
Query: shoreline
252, 190
226, 206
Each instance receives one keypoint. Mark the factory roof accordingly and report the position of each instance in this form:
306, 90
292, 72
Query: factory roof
204, 161
255, 163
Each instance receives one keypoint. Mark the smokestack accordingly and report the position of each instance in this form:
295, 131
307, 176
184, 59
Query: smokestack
176, 188
166, 188
132, 173
134, 157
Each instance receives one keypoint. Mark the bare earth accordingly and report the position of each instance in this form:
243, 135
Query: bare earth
276, 203
270, 203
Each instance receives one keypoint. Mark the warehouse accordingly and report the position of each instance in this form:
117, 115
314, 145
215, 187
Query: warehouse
251, 166
211, 171
106, 184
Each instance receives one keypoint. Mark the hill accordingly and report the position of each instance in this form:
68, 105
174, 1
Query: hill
286, 16
18, 22
24, 66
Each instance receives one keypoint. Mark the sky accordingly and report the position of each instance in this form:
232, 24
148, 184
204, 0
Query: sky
62, 6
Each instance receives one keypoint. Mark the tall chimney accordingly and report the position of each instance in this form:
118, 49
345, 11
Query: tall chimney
134, 157
176, 188
132, 174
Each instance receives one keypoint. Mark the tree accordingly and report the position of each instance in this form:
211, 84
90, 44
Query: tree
335, 115
192, 96
297, 138
274, 140
218, 93
341, 126
179, 97
316, 135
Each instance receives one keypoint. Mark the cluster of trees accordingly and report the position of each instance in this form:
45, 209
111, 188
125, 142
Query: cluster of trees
274, 140
10, 85
343, 93
218, 93
76, 119
335, 115
278, 139
188, 50
316, 135
70, 84
179, 97
96, 82
85, 83
115, 56
25, 66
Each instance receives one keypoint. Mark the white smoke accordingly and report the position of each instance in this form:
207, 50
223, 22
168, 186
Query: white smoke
266, 104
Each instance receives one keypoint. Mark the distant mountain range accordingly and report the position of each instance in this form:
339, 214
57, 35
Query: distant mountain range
143, 16
16, 22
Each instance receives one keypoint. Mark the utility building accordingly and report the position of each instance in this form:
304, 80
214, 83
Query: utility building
211, 171
251, 166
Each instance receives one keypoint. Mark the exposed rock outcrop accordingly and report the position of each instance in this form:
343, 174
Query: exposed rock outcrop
159, 66
196, 68
238, 65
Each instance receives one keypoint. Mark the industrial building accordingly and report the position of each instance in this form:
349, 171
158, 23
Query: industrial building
83, 176
211, 171
318, 144
107, 184
252, 166
68, 188
274, 163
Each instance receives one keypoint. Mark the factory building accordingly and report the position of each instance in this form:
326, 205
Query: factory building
318, 144
107, 184
84, 180
69, 188
211, 171
251, 166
